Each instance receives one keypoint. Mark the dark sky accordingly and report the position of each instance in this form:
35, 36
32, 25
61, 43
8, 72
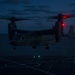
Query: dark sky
37, 11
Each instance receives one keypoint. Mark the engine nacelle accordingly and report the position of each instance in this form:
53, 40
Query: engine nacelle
11, 30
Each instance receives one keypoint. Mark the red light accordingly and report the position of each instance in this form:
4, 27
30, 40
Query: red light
63, 24
64, 16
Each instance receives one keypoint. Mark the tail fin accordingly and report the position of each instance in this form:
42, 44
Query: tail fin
11, 30
71, 32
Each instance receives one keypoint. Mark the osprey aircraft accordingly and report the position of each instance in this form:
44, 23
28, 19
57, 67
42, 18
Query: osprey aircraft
36, 37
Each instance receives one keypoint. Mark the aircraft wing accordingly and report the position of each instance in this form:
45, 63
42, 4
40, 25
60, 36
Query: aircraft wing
34, 40
22, 31
44, 32
36, 33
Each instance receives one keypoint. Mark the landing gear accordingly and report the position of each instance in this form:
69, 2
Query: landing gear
57, 38
34, 47
47, 47
14, 48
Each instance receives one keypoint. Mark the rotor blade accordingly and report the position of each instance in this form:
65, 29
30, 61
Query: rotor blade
68, 16
16, 19
52, 17
5, 17
63, 16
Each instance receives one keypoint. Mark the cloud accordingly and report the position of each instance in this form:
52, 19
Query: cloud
18, 12
73, 11
15, 2
38, 9
72, 4
9, 2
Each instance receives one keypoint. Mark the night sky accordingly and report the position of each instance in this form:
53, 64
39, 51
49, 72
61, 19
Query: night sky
37, 11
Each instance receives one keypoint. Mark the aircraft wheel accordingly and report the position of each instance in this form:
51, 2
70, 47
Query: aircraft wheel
14, 48
57, 38
34, 47
47, 47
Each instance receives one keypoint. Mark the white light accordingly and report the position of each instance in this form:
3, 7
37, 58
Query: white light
33, 56
38, 56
